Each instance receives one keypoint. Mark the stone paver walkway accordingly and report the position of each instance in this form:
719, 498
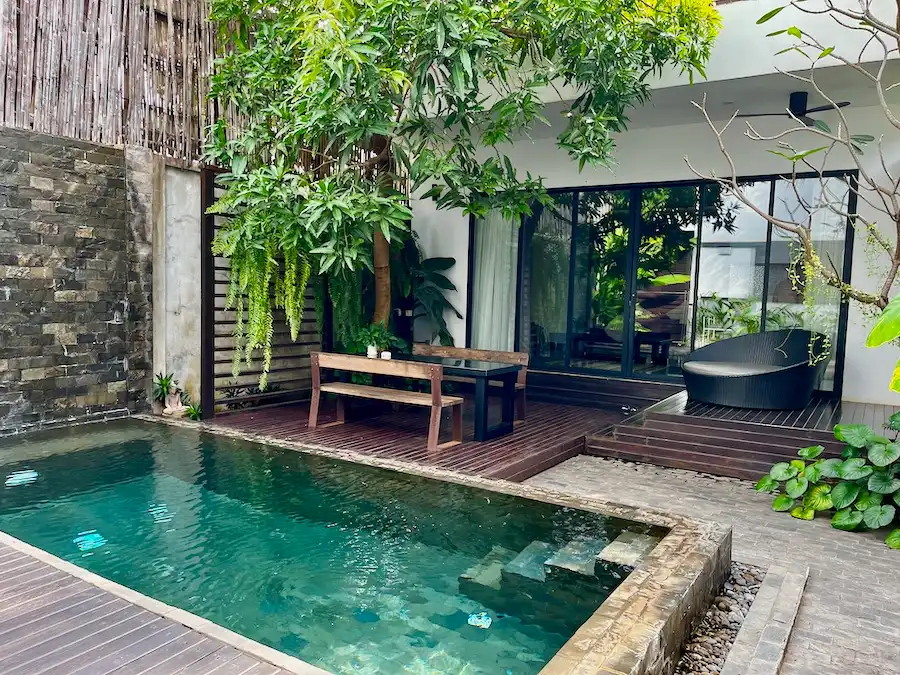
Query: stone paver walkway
849, 620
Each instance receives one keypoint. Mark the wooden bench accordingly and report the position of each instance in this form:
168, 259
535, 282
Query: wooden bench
518, 358
360, 364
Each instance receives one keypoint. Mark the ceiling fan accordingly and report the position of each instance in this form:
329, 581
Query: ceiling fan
797, 106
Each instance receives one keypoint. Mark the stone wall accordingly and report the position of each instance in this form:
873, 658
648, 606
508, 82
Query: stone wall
74, 283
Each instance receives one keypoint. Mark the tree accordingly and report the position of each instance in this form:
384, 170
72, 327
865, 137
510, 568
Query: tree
344, 108
811, 145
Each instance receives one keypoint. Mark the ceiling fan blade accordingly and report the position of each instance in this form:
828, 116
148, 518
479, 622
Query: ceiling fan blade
763, 115
823, 108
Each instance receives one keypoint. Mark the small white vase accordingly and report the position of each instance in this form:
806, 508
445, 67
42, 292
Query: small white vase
386, 356
372, 352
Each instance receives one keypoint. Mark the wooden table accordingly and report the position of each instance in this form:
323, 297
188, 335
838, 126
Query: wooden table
482, 372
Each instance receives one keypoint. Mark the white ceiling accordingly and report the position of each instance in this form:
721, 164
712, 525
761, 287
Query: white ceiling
672, 106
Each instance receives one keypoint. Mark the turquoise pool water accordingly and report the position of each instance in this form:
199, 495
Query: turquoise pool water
354, 569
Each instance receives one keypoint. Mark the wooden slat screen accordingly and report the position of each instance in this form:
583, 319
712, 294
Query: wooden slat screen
290, 377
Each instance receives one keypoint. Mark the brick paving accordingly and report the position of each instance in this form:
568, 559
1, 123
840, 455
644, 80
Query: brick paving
849, 619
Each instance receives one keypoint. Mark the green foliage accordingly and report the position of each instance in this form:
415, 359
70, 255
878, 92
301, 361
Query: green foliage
425, 282
844, 494
856, 488
893, 539
887, 329
854, 435
194, 412
162, 384
344, 108
375, 334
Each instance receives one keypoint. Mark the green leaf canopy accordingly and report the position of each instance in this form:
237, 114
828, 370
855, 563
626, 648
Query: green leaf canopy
342, 109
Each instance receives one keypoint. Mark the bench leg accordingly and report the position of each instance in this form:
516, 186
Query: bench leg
341, 413
434, 428
457, 429
520, 406
313, 410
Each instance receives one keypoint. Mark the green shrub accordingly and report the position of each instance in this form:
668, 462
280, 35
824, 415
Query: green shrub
860, 490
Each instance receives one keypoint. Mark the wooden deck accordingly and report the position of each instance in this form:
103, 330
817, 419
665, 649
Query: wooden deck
57, 624
821, 414
551, 433
736, 442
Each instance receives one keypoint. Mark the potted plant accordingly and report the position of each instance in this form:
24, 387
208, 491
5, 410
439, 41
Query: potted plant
376, 340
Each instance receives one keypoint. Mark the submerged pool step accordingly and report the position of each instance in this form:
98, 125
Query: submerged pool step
579, 557
628, 549
486, 573
529, 563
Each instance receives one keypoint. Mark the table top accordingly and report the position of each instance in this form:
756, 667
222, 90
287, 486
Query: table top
464, 367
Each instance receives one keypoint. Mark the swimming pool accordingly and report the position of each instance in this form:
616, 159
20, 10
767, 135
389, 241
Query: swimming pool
349, 567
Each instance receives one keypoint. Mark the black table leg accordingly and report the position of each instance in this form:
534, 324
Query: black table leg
481, 408
509, 402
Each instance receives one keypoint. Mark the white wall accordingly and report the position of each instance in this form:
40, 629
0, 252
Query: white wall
446, 234
656, 154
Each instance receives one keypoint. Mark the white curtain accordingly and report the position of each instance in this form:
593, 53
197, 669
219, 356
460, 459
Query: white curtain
494, 283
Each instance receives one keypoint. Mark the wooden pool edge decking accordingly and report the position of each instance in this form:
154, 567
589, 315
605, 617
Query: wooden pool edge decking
550, 434
258, 659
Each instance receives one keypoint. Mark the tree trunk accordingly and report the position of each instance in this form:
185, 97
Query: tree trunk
382, 259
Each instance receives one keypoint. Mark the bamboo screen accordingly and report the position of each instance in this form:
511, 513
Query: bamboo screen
108, 71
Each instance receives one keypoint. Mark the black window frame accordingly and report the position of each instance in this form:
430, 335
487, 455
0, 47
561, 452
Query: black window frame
843, 314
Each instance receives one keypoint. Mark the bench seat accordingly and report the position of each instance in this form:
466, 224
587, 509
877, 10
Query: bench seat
384, 394
348, 363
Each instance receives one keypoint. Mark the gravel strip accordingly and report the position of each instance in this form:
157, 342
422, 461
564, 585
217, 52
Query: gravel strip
706, 651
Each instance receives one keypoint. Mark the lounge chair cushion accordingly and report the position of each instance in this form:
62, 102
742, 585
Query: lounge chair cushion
728, 368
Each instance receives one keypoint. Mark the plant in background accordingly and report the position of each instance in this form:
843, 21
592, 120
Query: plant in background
194, 412
860, 489
423, 281
341, 110
376, 334
162, 386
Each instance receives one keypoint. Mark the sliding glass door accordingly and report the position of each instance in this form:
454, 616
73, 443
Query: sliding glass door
627, 281
600, 272
666, 239
545, 283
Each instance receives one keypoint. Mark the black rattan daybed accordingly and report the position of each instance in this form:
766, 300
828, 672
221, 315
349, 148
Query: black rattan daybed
771, 370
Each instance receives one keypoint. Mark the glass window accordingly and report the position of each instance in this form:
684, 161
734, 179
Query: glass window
545, 282
599, 281
731, 269
629, 281
665, 261
494, 280
793, 300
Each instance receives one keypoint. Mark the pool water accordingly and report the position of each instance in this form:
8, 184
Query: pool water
351, 568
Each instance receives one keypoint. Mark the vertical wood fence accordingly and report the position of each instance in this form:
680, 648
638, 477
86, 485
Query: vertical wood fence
109, 71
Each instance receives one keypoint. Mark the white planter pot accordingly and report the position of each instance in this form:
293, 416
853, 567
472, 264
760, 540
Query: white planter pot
372, 352
386, 356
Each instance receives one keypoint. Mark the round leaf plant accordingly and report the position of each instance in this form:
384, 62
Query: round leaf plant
861, 489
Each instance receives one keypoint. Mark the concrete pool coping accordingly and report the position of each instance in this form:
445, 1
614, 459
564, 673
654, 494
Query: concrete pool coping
642, 626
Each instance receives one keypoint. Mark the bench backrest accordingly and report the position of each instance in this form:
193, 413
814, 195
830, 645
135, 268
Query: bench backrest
363, 364
518, 358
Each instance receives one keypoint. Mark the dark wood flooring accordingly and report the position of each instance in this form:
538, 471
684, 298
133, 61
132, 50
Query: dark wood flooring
736, 442
550, 434
54, 623
821, 414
